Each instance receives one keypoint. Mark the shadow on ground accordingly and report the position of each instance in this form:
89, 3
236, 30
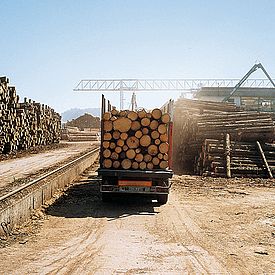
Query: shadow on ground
83, 200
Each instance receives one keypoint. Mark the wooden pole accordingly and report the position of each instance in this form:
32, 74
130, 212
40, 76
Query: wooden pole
264, 160
227, 155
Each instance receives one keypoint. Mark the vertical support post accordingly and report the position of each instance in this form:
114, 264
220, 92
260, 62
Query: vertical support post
227, 155
121, 95
103, 106
264, 160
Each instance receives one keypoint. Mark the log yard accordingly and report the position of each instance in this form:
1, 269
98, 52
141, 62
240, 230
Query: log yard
137, 137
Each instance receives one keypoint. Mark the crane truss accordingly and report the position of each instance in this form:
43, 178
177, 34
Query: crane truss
164, 84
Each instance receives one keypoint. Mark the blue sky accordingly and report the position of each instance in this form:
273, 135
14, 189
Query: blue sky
48, 46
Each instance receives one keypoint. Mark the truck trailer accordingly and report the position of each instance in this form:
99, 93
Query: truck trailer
135, 153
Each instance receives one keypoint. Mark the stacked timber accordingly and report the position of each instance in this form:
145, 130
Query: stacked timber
195, 121
27, 124
245, 159
135, 140
87, 134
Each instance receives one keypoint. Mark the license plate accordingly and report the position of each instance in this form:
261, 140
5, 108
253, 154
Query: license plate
134, 189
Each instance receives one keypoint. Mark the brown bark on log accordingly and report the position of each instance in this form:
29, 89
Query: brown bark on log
114, 156
164, 148
145, 121
126, 164
162, 129
165, 118
165, 157
155, 134
155, 161
106, 153
130, 154
105, 144
160, 156
142, 165
108, 125
107, 163
139, 158
138, 134
132, 142
163, 164
107, 116
112, 145
145, 131
132, 115
107, 136
115, 112
164, 138
123, 136
118, 149
147, 158
141, 114
122, 124
120, 143
116, 164
135, 165
157, 141
135, 125
153, 150
145, 141
154, 125
123, 113
116, 134
156, 114
125, 147
150, 165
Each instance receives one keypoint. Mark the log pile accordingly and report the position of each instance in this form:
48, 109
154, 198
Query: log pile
245, 158
135, 140
27, 124
74, 134
196, 121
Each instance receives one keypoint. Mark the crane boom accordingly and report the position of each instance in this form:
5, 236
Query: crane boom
252, 70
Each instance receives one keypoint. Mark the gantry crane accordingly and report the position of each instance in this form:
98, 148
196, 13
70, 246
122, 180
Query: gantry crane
156, 85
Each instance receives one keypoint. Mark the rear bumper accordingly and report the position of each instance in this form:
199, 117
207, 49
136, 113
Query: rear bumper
153, 190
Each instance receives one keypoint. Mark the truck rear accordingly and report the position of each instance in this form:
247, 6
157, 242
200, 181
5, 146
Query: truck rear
135, 153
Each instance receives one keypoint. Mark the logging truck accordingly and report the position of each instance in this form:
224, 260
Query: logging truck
135, 153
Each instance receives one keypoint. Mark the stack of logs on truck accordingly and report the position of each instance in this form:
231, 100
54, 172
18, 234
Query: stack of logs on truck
220, 139
25, 124
135, 140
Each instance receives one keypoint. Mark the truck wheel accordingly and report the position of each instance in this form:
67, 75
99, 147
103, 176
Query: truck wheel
105, 197
162, 199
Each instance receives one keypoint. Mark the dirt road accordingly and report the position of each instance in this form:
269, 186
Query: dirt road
207, 227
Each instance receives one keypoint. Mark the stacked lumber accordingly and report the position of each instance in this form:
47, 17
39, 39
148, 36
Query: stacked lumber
135, 140
27, 124
87, 134
195, 121
245, 159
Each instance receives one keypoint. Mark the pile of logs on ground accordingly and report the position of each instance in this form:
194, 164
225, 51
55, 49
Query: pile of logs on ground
197, 121
74, 134
225, 158
135, 140
27, 124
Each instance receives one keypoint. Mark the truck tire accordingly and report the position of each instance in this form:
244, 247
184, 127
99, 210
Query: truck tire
162, 199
